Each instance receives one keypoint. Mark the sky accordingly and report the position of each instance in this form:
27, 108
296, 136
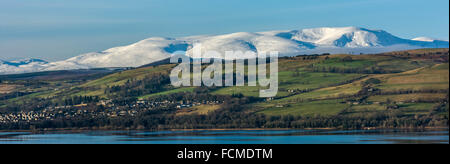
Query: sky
56, 30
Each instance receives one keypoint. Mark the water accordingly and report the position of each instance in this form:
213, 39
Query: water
230, 137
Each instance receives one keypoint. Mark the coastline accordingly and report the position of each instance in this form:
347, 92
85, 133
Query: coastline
214, 129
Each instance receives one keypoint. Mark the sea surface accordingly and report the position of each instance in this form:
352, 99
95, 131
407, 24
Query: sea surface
390, 136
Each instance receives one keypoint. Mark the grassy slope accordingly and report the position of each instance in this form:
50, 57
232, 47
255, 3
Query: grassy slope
200, 110
416, 74
313, 108
121, 77
118, 79
172, 91
327, 89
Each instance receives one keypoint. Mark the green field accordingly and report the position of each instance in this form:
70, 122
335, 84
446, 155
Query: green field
315, 108
172, 91
409, 83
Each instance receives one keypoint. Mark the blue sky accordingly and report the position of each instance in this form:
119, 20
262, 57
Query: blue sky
55, 29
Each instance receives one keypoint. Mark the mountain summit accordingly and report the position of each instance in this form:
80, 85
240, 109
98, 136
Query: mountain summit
287, 43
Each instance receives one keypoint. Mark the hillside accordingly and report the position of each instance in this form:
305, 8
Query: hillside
392, 89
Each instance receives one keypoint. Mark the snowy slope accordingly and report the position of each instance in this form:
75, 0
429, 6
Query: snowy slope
22, 66
349, 37
295, 42
424, 39
244, 41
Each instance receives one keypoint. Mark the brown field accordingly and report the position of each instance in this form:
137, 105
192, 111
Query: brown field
408, 97
434, 77
6, 88
423, 76
200, 110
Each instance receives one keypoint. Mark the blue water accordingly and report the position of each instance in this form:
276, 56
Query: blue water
230, 137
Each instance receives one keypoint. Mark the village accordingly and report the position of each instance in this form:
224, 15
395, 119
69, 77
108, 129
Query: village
109, 109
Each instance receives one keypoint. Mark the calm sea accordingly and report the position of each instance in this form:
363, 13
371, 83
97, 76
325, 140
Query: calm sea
230, 137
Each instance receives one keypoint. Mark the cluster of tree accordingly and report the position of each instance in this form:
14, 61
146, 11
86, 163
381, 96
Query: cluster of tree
33, 104
147, 85
410, 91
347, 59
6, 96
232, 116
235, 114
372, 81
199, 96
333, 69
80, 100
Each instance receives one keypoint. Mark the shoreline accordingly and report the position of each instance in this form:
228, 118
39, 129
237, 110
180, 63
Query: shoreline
215, 129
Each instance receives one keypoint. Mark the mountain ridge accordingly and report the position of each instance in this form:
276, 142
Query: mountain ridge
287, 43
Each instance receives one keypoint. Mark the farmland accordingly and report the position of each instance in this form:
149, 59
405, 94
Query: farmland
395, 89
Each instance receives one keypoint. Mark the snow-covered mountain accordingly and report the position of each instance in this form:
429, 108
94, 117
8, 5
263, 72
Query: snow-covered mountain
21, 66
306, 41
23, 62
